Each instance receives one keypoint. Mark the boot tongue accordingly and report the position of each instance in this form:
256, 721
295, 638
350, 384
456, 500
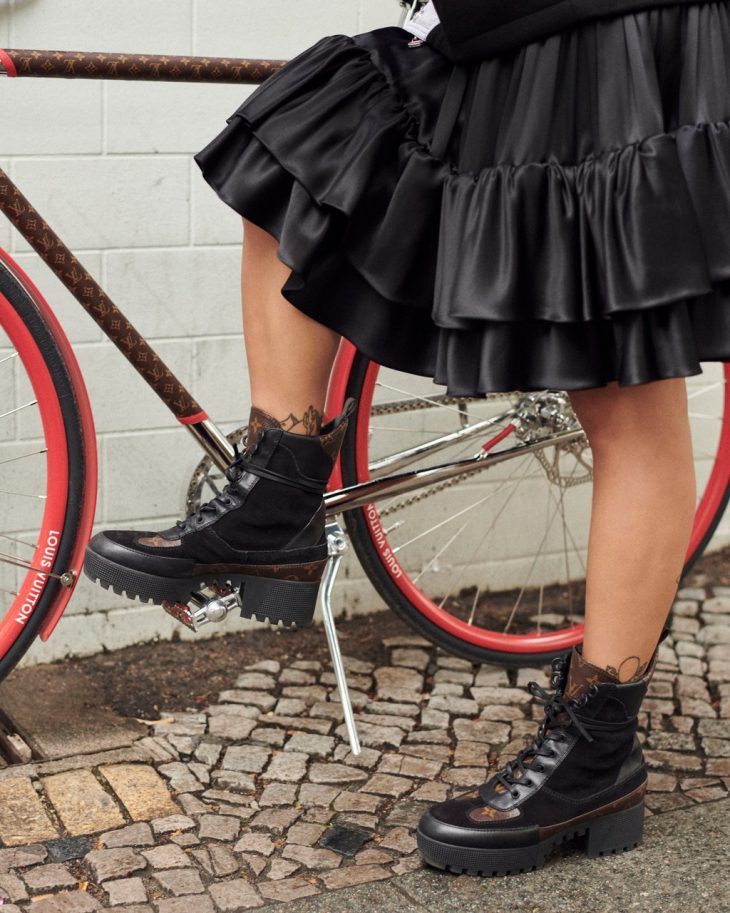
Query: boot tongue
582, 674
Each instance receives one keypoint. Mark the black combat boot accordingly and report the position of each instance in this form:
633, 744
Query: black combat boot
583, 776
265, 531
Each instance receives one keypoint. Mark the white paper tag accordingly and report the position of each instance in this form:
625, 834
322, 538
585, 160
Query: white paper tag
424, 20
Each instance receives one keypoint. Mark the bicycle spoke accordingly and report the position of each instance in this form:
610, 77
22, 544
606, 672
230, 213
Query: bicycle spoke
33, 402
19, 541
26, 565
23, 456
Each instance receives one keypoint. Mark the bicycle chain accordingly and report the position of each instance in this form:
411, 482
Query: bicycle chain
416, 405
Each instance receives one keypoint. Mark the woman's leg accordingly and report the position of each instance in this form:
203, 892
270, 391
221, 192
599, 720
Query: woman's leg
644, 492
289, 354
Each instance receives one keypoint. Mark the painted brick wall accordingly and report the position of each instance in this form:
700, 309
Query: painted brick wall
110, 166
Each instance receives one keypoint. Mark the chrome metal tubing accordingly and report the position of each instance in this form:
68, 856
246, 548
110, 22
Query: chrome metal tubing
337, 545
213, 442
412, 454
377, 489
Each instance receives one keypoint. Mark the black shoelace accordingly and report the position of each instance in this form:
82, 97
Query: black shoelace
559, 715
223, 499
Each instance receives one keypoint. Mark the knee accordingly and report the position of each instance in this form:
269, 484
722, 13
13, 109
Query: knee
640, 414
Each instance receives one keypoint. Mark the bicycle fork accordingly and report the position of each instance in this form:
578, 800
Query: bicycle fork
204, 609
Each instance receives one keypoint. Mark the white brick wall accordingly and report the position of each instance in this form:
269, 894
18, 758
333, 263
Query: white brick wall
110, 166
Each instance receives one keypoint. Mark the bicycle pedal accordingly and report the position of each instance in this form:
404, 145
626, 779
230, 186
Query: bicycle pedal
204, 609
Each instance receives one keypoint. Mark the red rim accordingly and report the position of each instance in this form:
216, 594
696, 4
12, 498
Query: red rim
565, 638
54, 513
86, 523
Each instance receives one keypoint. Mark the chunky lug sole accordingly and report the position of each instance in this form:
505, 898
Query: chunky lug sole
266, 598
614, 833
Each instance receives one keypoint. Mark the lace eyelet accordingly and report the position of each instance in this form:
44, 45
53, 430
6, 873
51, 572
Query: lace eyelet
593, 690
515, 793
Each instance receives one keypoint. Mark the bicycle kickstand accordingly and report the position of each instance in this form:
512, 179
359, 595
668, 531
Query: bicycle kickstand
337, 546
205, 609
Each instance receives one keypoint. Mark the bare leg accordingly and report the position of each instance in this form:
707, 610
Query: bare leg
643, 506
289, 355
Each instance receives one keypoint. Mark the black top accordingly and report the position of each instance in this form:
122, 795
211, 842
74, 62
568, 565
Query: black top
474, 29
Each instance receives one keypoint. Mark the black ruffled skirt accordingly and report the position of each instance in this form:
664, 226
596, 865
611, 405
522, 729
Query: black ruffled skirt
557, 217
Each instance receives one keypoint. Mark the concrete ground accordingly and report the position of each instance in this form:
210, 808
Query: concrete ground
256, 800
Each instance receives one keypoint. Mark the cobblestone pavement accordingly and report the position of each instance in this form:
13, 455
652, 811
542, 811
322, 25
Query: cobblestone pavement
257, 800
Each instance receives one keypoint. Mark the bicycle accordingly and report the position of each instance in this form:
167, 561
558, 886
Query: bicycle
413, 522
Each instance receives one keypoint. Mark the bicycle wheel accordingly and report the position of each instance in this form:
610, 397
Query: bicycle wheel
491, 566
47, 452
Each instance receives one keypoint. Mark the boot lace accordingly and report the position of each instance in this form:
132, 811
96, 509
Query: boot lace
223, 498
559, 715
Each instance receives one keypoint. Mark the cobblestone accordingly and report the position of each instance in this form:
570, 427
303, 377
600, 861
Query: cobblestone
49, 877
258, 799
125, 891
115, 863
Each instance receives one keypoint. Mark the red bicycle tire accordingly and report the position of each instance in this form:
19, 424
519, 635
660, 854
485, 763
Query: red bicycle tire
71, 462
354, 375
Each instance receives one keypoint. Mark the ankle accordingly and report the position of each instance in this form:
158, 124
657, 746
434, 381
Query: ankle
306, 421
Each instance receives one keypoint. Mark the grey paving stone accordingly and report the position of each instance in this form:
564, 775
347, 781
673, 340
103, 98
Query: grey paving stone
297, 677
248, 758
272, 666
256, 681
17, 857
288, 889
172, 823
410, 657
231, 726
308, 743
275, 820
336, 773
139, 834
126, 891
115, 863
282, 868
181, 778
387, 785
12, 889
167, 856
201, 904
49, 877
180, 881
235, 895
304, 834
366, 759
314, 794
233, 779
312, 857
67, 902
374, 735
218, 827
287, 766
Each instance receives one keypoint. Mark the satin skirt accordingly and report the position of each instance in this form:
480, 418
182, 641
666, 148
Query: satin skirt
556, 217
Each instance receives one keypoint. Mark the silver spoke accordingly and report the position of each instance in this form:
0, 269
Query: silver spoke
22, 494
33, 402
23, 456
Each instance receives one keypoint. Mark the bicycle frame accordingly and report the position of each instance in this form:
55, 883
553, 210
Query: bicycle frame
135, 348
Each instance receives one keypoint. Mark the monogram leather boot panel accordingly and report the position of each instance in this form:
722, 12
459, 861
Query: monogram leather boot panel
583, 778
265, 530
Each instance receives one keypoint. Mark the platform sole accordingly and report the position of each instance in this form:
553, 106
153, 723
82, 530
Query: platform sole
273, 599
609, 834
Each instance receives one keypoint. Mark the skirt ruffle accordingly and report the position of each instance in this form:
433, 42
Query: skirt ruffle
572, 229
